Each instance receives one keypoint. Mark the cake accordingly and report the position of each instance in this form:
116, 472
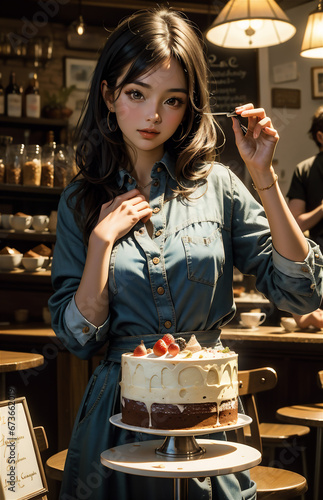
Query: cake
179, 385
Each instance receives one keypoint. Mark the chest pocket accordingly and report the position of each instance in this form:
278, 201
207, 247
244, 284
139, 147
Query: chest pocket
204, 257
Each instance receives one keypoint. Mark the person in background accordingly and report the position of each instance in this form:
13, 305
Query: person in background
305, 197
148, 236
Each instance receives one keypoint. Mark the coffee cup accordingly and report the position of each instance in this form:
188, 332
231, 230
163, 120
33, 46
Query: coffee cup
288, 323
40, 222
252, 319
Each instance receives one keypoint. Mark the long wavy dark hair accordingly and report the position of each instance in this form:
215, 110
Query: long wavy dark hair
142, 42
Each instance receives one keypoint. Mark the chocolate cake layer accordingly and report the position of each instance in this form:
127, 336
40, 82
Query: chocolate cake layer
170, 417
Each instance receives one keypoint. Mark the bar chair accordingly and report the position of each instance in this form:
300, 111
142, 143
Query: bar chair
273, 483
312, 415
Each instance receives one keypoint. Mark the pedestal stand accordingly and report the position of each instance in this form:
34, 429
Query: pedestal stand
180, 456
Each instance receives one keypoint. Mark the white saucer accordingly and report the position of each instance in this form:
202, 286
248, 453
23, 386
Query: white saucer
253, 328
243, 420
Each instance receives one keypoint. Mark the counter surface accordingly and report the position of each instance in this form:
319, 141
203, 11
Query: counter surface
272, 334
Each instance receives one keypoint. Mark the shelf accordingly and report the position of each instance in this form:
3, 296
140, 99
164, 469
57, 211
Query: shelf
33, 122
27, 235
25, 280
18, 188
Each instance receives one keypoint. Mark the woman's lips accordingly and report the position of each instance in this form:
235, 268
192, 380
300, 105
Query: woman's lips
148, 134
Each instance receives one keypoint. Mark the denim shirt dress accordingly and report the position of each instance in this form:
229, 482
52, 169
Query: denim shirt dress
179, 281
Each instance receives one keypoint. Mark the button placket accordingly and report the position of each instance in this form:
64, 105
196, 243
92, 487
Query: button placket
154, 250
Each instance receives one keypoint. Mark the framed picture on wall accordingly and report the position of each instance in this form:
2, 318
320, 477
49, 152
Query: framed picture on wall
78, 72
317, 83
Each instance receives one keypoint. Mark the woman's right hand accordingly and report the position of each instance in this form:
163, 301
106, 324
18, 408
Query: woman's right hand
119, 216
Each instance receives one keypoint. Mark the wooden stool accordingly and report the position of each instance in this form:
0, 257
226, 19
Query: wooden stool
312, 415
276, 435
55, 465
273, 483
11, 361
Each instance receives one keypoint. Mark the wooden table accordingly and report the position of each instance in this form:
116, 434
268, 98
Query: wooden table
11, 361
272, 334
311, 415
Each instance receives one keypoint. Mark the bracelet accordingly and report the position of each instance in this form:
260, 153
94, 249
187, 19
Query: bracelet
267, 187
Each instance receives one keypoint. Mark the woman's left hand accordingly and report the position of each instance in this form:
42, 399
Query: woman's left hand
257, 147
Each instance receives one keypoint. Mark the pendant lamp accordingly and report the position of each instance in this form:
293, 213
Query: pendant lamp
312, 45
250, 24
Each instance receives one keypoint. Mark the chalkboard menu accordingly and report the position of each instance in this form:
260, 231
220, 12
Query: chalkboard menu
233, 81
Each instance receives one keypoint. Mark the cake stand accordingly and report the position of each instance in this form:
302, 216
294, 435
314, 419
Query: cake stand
180, 456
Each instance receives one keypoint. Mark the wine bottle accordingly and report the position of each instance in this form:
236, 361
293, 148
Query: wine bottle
13, 97
2, 106
32, 97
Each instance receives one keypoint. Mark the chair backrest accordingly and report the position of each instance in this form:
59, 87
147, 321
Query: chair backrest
250, 383
320, 379
41, 438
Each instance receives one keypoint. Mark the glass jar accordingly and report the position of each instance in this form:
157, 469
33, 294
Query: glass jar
47, 166
15, 162
31, 174
60, 166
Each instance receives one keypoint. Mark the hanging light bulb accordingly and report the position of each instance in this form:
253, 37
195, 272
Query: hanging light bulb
80, 27
262, 23
312, 45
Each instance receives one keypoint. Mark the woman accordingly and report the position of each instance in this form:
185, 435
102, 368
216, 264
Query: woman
148, 237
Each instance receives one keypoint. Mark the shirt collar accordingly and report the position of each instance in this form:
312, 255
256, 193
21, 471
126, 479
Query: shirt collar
167, 161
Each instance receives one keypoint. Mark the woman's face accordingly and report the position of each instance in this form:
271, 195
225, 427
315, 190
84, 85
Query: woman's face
150, 109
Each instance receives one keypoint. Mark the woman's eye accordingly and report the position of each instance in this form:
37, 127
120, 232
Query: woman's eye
175, 101
135, 95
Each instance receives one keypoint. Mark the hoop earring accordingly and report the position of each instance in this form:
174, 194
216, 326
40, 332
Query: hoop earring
110, 122
182, 134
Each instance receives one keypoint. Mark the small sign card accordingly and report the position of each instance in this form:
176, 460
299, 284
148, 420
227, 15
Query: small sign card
21, 471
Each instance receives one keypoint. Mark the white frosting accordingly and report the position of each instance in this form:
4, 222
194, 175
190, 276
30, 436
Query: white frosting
206, 376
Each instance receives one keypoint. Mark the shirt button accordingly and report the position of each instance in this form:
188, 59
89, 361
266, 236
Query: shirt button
312, 286
304, 269
158, 233
86, 329
160, 290
156, 210
317, 256
141, 231
130, 180
156, 183
159, 169
167, 324
156, 260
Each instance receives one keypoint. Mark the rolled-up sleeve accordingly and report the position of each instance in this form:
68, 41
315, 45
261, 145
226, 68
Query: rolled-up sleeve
81, 329
295, 287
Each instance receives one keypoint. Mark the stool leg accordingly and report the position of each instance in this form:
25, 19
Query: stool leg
181, 488
317, 463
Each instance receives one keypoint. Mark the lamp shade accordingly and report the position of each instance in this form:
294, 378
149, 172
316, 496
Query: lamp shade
250, 24
312, 45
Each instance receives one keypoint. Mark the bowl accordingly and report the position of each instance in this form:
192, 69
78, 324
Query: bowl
32, 263
5, 220
10, 262
21, 223
40, 222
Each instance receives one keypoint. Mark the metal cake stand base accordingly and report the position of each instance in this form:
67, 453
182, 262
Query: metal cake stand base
180, 456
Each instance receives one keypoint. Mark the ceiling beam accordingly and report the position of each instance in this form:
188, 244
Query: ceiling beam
196, 8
